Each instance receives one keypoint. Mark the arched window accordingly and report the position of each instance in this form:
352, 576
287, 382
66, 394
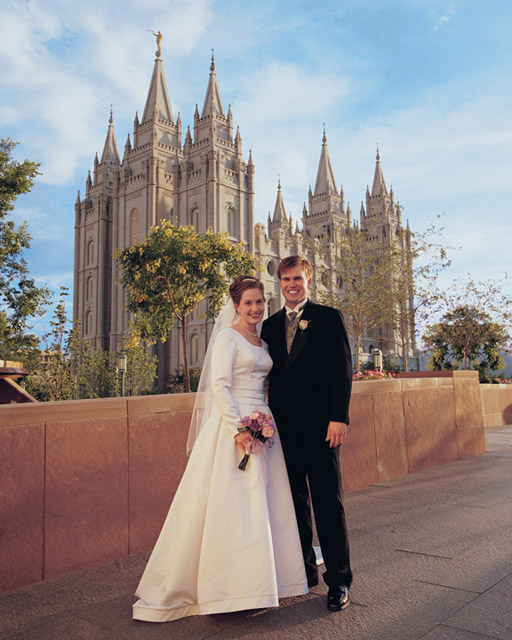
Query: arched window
134, 227
194, 349
90, 252
88, 323
89, 289
232, 222
194, 219
271, 267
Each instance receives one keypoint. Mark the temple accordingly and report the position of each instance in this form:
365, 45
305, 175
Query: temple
200, 177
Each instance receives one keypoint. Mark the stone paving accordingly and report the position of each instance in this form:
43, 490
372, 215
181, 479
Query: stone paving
432, 558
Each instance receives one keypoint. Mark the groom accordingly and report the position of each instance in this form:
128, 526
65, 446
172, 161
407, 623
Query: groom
309, 395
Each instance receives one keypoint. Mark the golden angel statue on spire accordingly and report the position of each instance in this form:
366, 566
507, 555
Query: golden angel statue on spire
158, 37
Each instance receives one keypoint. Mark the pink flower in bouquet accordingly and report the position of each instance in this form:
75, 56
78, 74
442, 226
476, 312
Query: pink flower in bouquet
262, 428
267, 431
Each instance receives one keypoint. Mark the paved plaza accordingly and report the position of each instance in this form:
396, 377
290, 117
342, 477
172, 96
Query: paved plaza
432, 559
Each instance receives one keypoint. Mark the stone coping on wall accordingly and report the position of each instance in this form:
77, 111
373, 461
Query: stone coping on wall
94, 408
440, 374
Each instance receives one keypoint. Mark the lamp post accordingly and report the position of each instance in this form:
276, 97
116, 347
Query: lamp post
377, 359
121, 366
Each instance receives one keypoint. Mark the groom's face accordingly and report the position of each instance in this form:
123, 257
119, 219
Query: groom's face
294, 285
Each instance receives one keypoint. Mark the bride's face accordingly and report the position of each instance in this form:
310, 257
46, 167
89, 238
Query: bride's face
251, 307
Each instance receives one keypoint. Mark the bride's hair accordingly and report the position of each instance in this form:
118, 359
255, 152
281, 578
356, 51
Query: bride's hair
241, 284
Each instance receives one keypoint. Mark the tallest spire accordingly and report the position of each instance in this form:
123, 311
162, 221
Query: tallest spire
158, 99
212, 101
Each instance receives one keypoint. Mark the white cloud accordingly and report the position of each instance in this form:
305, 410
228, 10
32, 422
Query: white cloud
441, 22
286, 93
63, 63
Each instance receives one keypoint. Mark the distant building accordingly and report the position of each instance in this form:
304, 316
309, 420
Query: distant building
199, 178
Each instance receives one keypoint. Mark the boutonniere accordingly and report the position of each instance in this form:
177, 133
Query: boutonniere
303, 325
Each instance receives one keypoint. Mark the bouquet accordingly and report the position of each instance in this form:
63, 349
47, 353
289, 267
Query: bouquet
262, 428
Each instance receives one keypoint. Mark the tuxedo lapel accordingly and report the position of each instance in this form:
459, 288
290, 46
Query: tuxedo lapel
301, 337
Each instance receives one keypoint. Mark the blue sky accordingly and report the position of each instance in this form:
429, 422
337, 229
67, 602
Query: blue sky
429, 81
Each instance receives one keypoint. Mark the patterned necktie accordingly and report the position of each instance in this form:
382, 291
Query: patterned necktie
291, 329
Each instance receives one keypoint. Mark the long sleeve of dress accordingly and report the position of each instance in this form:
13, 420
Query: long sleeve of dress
223, 364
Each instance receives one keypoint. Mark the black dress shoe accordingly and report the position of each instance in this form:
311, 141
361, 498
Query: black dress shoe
337, 598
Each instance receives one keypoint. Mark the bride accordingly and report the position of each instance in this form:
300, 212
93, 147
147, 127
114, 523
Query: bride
230, 540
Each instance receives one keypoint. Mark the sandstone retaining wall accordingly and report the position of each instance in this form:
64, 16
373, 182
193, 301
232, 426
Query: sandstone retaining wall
86, 482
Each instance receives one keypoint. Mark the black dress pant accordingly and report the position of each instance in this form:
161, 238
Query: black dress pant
312, 462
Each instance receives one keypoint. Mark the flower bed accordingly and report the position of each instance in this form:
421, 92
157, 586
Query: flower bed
373, 375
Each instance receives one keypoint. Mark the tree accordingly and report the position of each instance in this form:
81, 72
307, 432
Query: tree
474, 329
466, 336
413, 288
69, 368
360, 271
52, 372
20, 298
171, 272
141, 366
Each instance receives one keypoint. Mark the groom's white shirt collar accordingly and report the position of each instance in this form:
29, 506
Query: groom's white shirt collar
298, 309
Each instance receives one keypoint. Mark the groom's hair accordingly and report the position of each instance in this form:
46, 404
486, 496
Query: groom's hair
295, 261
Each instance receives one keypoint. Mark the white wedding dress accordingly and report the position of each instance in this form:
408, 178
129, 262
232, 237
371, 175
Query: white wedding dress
230, 540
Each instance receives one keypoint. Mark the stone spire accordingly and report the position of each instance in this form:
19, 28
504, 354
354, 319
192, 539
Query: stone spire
325, 182
238, 142
127, 148
212, 101
379, 186
279, 216
110, 153
158, 99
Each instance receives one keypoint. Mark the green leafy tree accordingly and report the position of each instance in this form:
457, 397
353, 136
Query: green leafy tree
20, 298
96, 374
141, 367
171, 272
52, 372
360, 272
475, 328
466, 336
69, 368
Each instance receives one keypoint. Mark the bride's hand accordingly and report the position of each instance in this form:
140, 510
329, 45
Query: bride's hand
244, 440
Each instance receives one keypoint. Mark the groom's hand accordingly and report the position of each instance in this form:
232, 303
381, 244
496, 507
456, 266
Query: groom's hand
336, 433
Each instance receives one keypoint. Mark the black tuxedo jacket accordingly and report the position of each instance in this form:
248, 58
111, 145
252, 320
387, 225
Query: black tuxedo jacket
311, 385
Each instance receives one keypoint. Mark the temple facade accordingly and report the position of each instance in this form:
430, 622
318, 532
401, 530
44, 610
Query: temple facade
200, 177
